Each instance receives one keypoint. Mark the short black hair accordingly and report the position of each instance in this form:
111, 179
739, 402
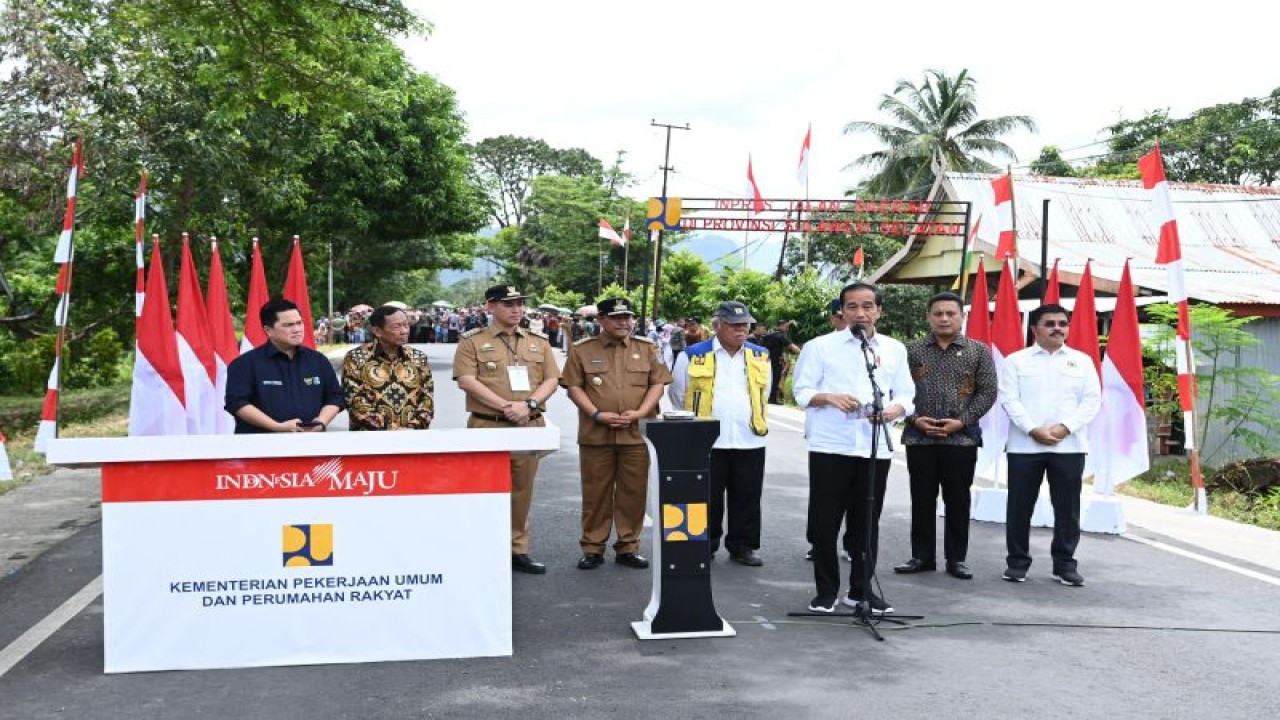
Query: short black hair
379, 317
946, 297
1050, 309
269, 314
860, 285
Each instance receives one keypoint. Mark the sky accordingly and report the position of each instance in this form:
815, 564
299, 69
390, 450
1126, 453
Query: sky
749, 77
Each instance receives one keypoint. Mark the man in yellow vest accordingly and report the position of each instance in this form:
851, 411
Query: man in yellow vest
729, 379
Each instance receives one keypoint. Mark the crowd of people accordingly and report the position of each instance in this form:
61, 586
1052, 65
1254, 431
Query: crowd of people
852, 383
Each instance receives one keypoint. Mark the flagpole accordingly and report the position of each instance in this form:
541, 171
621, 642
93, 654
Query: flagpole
626, 256
599, 266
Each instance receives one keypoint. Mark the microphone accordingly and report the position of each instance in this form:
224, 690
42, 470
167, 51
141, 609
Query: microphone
859, 331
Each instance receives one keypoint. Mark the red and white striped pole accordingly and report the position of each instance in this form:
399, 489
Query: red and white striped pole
139, 224
1169, 254
62, 256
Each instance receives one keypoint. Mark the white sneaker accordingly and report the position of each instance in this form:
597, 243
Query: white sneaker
823, 605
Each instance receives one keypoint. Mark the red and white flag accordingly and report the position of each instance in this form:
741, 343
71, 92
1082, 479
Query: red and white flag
254, 335
1006, 338
977, 324
607, 232
295, 289
195, 350
802, 168
1169, 254
63, 255
1007, 244
859, 261
1118, 435
1083, 335
156, 403
1053, 294
753, 190
139, 227
222, 334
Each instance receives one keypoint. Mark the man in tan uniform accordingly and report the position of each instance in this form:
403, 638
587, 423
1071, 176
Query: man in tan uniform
508, 373
615, 379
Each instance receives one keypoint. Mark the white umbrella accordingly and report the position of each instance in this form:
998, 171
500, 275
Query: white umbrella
442, 304
396, 304
548, 307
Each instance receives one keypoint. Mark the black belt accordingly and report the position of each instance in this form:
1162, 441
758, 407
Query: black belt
503, 418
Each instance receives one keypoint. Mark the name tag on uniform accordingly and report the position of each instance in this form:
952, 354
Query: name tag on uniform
272, 382
518, 375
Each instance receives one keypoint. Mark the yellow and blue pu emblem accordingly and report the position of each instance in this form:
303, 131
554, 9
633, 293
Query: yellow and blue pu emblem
307, 545
684, 521
663, 213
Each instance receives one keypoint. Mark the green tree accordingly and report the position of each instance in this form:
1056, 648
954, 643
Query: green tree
505, 167
1051, 163
684, 276
1247, 415
937, 130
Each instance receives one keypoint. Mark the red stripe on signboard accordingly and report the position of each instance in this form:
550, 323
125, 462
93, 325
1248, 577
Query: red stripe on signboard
307, 477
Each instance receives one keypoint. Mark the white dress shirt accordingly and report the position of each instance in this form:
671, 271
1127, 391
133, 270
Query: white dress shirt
1039, 388
834, 363
730, 403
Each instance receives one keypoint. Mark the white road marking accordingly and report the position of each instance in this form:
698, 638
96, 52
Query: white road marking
1204, 559
43, 630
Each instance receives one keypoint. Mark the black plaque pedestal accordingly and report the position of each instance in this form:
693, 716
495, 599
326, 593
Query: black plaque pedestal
681, 605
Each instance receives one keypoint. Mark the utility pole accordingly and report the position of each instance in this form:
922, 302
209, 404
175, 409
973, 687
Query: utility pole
657, 261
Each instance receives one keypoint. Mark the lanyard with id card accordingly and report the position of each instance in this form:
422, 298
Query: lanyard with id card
517, 374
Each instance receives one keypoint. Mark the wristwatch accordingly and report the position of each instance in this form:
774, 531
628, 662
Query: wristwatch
533, 404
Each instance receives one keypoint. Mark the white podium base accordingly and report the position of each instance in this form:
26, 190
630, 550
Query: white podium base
1105, 514
644, 631
990, 505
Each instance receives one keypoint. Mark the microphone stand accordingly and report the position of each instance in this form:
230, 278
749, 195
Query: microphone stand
863, 615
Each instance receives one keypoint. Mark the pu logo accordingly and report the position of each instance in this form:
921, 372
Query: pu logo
663, 213
307, 545
684, 522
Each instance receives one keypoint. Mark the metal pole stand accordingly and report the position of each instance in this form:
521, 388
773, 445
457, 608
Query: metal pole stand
679, 495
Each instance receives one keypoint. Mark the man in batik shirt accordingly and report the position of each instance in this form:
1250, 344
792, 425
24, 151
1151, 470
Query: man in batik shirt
388, 384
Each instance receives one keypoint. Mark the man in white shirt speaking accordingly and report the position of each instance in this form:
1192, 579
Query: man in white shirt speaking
1050, 393
729, 378
833, 386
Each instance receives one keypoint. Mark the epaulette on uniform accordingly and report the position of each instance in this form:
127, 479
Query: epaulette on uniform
535, 333
471, 332
643, 339
583, 341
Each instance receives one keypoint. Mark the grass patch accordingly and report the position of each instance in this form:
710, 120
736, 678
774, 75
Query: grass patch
1168, 483
99, 412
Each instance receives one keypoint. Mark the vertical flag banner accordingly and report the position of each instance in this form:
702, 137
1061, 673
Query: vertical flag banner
1006, 338
1118, 437
1053, 293
977, 324
157, 401
139, 227
859, 261
607, 232
254, 335
195, 349
1083, 334
1007, 245
63, 255
222, 334
1169, 254
753, 190
802, 168
295, 289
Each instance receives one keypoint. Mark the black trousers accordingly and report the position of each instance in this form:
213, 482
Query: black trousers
775, 392
1026, 472
838, 485
737, 481
949, 467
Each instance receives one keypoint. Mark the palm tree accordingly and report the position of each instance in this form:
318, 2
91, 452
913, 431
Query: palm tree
938, 130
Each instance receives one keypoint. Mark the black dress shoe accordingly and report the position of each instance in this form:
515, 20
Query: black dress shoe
959, 570
525, 564
590, 561
915, 565
632, 560
746, 557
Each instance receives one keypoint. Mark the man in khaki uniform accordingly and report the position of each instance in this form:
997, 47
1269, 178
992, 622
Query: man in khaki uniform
508, 373
615, 379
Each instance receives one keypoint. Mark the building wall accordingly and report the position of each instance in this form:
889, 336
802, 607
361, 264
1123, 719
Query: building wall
1266, 355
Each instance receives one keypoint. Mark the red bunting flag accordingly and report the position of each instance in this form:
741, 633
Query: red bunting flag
1007, 245
802, 168
295, 289
195, 349
607, 232
156, 404
139, 227
222, 335
254, 335
1118, 436
1083, 335
1053, 294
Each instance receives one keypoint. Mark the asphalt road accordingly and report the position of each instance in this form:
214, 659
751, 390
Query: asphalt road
1152, 635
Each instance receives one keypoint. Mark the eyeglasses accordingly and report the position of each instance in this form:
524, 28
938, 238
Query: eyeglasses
1055, 323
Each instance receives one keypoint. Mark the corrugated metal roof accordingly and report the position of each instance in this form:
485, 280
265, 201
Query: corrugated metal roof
1230, 233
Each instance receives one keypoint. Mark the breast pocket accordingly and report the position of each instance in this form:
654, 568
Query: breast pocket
637, 368
534, 358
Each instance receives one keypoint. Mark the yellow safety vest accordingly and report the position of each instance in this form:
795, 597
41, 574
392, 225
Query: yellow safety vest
700, 392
